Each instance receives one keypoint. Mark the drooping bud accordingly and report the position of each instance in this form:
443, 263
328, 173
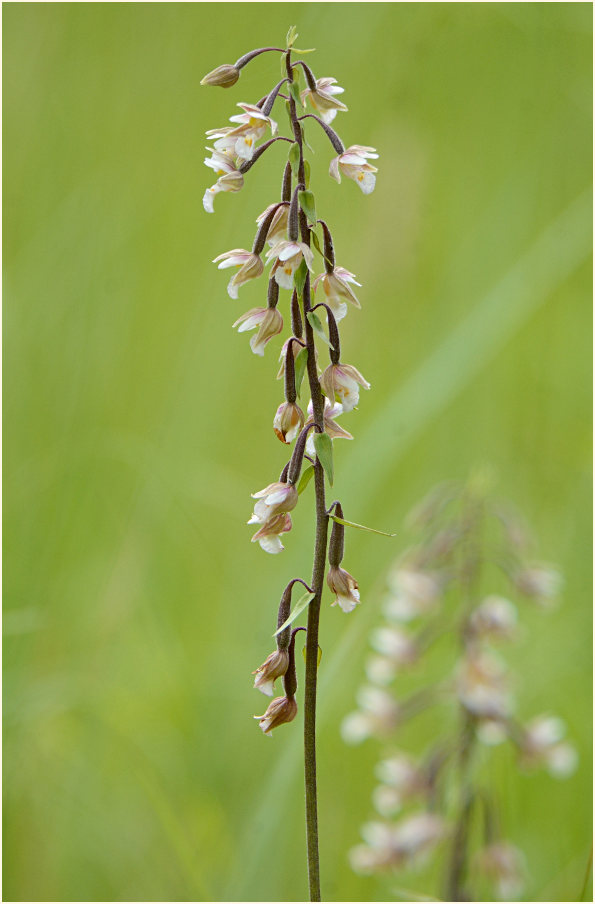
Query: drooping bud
274, 666
223, 76
282, 709
344, 586
288, 421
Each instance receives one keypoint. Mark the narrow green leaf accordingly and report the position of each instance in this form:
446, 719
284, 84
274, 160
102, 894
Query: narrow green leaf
370, 530
294, 90
297, 50
317, 327
297, 610
294, 159
324, 450
301, 360
307, 173
292, 36
305, 140
308, 204
305, 479
316, 242
299, 277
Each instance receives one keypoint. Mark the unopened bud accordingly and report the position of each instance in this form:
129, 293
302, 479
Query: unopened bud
280, 710
273, 667
223, 76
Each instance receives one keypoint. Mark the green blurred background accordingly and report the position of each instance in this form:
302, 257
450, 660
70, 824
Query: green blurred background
137, 423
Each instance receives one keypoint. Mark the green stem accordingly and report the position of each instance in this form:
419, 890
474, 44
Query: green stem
320, 547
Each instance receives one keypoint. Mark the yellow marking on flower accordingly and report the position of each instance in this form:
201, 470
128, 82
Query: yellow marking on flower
360, 176
288, 270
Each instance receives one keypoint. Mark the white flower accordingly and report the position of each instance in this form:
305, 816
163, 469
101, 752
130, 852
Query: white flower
269, 322
377, 717
495, 617
345, 588
249, 267
380, 670
280, 710
482, 687
230, 179
269, 534
542, 744
337, 290
272, 501
252, 126
288, 421
504, 865
331, 411
272, 668
340, 382
288, 256
353, 164
395, 644
323, 98
415, 593
395, 845
539, 582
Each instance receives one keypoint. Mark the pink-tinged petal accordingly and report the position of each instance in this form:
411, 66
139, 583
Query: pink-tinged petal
334, 169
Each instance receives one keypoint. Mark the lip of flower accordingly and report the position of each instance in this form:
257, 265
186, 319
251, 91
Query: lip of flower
278, 228
353, 164
323, 100
288, 421
268, 535
340, 381
274, 666
345, 588
230, 181
269, 322
279, 711
336, 288
288, 256
249, 265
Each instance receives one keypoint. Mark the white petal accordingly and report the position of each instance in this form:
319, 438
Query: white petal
271, 544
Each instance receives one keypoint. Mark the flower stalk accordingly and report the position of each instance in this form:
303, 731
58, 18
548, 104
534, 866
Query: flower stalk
287, 226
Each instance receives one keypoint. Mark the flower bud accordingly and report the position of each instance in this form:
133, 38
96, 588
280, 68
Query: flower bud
280, 710
223, 76
345, 588
273, 667
288, 421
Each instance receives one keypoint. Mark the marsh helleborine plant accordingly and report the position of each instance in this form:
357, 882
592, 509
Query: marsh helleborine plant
289, 226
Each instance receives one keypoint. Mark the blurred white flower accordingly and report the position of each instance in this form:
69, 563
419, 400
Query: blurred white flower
504, 865
542, 744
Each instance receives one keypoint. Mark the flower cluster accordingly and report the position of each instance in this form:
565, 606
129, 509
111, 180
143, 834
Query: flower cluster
437, 591
298, 250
